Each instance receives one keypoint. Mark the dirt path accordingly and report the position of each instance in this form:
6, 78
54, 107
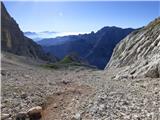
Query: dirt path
63, 105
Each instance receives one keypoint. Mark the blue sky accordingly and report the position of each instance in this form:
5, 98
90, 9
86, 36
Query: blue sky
81, 16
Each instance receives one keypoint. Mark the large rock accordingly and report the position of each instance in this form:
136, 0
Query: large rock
15, 42
153, 71
35, 113
140, 51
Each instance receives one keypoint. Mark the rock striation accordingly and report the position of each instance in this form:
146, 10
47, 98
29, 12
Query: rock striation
139, 52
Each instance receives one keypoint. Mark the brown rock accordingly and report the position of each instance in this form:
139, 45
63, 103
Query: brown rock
35, 113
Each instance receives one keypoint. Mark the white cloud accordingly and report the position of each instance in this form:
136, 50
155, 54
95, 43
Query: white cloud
69, 33
41, 35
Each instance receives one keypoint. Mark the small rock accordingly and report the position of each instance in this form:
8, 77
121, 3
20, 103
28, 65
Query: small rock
35, 113
113, 77
3, 106
55, 105
23, 95
27, 76
21, 116
101, 107
3, 73
5, 116
65, 82
125, 103
77, 116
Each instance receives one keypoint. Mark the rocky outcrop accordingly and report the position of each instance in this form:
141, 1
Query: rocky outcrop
15, 42
139, 52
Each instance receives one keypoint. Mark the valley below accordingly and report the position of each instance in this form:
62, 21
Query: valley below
76, 92
113, 75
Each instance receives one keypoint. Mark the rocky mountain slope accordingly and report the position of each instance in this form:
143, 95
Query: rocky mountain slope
75, 93
32, 92
139, 52
94, 47
15, 42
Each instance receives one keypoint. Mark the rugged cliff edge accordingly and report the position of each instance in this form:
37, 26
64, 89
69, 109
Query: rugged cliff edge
139, 52
15, 42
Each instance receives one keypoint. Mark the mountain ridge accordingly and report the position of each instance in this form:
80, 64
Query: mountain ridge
88, 46
14, 41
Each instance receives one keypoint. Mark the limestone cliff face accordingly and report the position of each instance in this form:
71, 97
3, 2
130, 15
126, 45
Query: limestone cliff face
15, 42
139, 52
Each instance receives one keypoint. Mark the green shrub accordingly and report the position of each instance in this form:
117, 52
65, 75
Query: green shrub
66, 59
50, 66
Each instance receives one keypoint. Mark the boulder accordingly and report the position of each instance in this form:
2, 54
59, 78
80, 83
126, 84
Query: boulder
35, 113
153, 71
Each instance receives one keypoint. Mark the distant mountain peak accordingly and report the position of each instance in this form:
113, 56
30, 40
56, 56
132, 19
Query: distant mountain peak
91, 46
